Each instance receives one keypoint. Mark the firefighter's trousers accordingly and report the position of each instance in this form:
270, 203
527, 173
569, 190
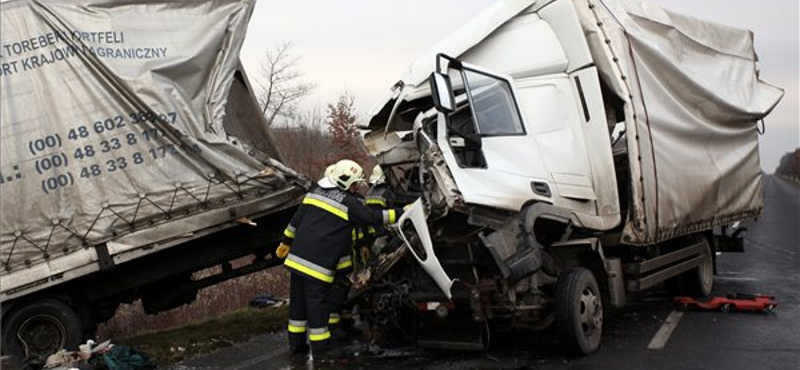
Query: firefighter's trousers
308, 314
339, 292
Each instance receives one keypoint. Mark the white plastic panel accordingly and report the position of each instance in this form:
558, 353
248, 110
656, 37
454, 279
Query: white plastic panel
416, 214
598, 144
563, 20
525, 46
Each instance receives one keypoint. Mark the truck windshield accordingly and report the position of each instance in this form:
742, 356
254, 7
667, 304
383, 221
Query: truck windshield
493, 105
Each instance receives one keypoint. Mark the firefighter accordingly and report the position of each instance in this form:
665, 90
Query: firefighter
380, 195
318, 236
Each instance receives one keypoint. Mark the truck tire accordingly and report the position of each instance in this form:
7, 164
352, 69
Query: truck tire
40, 328
696, 282
579, 311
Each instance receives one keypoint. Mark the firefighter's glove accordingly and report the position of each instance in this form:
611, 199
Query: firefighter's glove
282, 251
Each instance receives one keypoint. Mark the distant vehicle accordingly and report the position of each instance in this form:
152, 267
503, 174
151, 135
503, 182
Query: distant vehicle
569, 153
134, 154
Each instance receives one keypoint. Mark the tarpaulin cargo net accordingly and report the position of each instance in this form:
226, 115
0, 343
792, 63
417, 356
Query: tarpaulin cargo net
148, 210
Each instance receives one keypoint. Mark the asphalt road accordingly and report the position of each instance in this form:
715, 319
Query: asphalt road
699, 340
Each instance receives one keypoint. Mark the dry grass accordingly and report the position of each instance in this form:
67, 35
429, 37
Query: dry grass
174, 345
222, 298
219, 317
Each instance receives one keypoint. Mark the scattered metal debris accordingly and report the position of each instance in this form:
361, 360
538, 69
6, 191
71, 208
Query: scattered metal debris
266, 300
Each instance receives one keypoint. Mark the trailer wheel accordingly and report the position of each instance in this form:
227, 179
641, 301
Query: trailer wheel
40, 328
579, 311
696, 282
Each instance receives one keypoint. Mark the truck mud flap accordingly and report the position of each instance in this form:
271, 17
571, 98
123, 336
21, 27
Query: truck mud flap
413, 229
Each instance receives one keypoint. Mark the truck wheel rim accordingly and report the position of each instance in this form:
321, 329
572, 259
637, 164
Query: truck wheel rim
41, 335
591, 312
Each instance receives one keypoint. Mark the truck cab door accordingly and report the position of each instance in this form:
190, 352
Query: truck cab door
489, 152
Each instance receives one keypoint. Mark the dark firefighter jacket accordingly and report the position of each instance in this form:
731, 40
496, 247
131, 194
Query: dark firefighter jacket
381, 196
320, 233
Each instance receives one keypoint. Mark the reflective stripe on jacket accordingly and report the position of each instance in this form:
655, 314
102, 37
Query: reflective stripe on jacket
309, 268
345, 263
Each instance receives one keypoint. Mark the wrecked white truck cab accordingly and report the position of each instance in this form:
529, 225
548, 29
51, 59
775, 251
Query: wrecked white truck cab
569, 153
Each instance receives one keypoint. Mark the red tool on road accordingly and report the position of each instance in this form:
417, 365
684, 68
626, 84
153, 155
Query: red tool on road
732, 302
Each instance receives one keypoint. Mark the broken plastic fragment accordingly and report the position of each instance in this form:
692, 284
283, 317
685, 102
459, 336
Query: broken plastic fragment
246, 221
267, 171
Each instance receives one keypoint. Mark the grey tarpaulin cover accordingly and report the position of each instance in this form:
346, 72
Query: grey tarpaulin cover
112, 120
693, 101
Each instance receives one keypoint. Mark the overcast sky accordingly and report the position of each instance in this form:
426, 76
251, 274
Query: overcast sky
364, 46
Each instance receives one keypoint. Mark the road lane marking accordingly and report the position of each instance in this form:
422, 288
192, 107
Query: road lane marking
662, 336
735, 278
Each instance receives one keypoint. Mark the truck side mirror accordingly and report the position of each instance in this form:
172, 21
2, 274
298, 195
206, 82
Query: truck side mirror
442, 92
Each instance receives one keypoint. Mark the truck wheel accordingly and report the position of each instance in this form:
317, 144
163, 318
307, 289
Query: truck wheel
696, 282
579, 311
40, 328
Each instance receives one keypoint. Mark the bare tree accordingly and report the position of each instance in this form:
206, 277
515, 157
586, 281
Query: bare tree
282, 85
342, 118
305, 142
310, 140
342, 121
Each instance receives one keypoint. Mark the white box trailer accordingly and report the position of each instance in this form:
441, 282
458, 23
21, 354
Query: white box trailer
568, 152
133, 154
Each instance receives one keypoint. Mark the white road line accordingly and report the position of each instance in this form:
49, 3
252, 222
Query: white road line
735, 278
661, 338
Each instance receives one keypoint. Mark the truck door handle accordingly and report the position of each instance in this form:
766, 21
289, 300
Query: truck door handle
457, 142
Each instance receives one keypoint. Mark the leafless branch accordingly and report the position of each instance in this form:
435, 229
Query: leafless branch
281, 84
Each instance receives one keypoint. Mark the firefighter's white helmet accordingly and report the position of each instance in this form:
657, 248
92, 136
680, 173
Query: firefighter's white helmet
346, 173
377, 177
328, 170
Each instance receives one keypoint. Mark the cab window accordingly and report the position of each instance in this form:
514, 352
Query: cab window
493, 104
